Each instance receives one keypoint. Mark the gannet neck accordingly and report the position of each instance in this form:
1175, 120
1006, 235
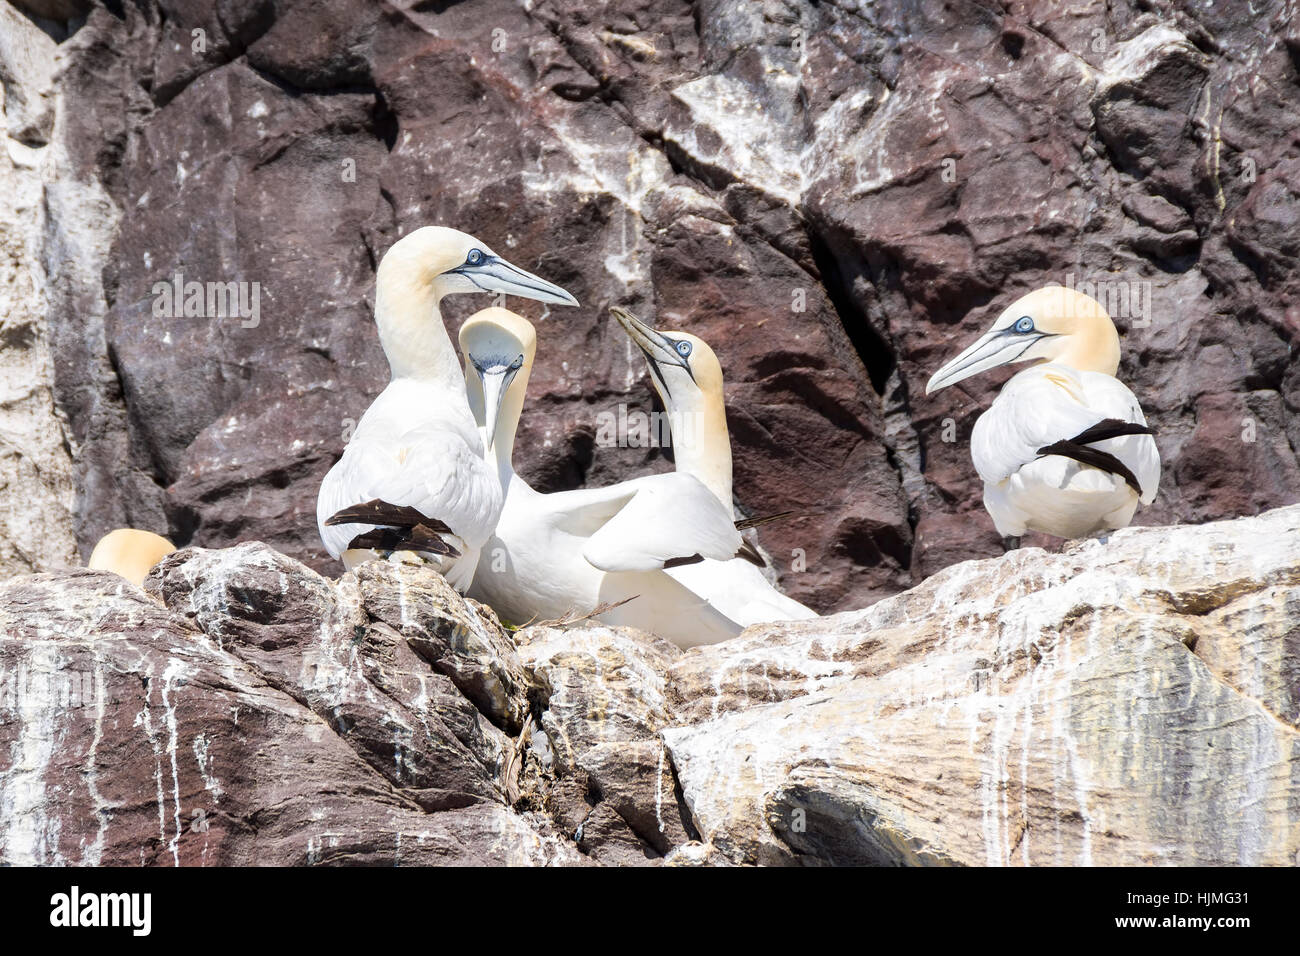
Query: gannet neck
1093, 346
512, 409
411, 329
701, 443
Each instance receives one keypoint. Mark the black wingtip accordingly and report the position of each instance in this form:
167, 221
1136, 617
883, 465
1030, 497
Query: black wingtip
1110, 428
1095, 457
419, 540
744, 524
749, 554
400, 528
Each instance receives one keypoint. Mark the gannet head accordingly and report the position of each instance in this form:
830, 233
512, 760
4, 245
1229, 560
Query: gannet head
451, 261
130, 553
688, 377
497, 345
1053, 324
685, 371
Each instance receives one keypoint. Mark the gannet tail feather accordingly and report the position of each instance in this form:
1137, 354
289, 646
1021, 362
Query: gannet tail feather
1087, 455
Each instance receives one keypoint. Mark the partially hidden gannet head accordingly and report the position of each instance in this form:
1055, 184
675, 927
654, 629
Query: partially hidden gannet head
450, 261
684, 370
497, 345
1053, 324
129, 553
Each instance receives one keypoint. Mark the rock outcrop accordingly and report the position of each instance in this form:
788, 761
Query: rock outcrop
1136, 702
836, 195
37, 474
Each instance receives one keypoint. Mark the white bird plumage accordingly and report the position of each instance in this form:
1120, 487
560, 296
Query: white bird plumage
570, 552
1073, 492
418, 445
687, 376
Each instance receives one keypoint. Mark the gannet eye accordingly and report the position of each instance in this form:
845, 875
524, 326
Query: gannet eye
683, 348
1024, 324
475, 257
517, 364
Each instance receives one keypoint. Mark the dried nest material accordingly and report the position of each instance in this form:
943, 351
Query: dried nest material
568, 619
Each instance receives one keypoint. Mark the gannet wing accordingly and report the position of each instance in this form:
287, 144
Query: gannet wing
663, 521
395, 528
431, 471
1049, 405
1113, 399
740, 591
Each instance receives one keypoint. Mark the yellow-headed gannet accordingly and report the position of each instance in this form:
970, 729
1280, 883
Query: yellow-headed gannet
571, 552
688, 377
1064, 449
413, 477
130, 553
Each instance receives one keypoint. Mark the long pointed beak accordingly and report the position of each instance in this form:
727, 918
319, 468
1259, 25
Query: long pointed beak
494, 274
495, 380
657, 347
996, 347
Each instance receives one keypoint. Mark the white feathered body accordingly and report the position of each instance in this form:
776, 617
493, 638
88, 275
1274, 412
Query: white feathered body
1053, 494
415, 447
554, 555
739, 590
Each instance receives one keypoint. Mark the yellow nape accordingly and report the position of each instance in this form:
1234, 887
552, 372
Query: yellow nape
129, 553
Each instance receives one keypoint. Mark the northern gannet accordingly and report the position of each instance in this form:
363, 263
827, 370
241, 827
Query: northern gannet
688, 377
1064, 449
571, 552
413, 477
129, 553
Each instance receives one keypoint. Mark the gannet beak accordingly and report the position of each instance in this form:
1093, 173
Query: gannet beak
494, 274
656, 346
998, 346
496, 379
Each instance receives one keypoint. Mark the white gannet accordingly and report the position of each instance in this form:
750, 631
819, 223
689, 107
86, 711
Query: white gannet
571, 552
688, 377
1064, 449
413, 476
129, 553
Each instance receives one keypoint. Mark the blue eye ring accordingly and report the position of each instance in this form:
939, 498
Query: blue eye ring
475, 257
1024, 324
683, 348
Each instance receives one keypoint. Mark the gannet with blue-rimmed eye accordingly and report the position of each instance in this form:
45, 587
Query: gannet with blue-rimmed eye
688, 377
571, 552
1064, 449
413, 477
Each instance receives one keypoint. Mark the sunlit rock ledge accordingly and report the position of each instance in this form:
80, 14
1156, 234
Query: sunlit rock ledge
1133, 702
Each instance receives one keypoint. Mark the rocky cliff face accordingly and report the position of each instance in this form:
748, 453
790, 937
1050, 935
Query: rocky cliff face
1133, 703
835, 195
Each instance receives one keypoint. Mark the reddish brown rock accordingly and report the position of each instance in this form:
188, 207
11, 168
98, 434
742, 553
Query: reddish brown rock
263, 718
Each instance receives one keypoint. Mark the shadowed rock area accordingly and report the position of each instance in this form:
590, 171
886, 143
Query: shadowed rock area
1133, 703
837, 196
